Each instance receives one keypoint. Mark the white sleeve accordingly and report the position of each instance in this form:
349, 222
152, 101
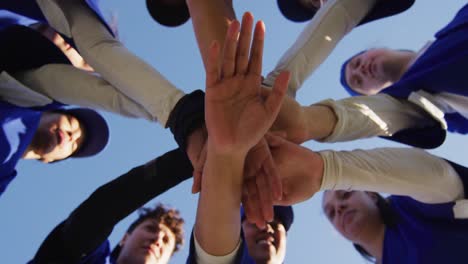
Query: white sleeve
128, 73
329, 25
370, 116
203, 257
15, 92
400, 171
69, 85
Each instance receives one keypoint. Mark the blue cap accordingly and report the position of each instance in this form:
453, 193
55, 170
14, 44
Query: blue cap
284, 213
96, 131
295, 11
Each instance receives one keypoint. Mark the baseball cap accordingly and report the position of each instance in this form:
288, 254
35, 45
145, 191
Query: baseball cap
96, 129
171, 13
295, 11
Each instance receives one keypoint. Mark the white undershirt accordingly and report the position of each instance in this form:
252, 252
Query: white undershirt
204, 257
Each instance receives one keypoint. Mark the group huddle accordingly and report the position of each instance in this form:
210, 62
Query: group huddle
240, 139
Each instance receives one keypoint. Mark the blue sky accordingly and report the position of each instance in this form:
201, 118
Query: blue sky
43, 195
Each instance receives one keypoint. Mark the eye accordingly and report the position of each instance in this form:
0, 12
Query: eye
331, 214
346, 195
151, 228
166, 239
356, 62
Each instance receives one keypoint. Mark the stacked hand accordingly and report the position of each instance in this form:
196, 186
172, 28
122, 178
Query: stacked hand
239, 114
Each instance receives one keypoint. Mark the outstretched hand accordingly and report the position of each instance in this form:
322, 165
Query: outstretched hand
237, 115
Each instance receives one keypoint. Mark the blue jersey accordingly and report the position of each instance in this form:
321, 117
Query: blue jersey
18, 126
441, 68
101, 255
425, 234
30, 9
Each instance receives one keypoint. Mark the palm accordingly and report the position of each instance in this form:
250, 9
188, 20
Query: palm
240, 115
237, 116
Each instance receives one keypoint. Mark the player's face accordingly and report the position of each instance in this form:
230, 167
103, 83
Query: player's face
268, 245
149, 243
57, 137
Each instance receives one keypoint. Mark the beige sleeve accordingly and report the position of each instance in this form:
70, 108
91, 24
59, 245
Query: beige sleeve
329, 25
370, 116
69, 85
400, 171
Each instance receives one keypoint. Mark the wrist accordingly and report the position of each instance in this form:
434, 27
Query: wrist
315, 170
225, 153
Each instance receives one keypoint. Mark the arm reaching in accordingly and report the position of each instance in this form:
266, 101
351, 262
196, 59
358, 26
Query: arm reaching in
237, 117
401, 171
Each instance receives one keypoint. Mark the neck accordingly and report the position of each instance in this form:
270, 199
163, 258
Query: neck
29, 153
407, 60
374, 244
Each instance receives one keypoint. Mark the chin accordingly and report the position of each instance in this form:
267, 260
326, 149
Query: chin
264, 256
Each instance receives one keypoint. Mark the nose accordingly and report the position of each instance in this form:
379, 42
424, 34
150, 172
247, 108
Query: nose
158, 238
74, 135
340, 207
363, 69
269, 228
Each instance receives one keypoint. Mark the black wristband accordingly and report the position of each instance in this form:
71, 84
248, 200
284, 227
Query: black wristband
187, 116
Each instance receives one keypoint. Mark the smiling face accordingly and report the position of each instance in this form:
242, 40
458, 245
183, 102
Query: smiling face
266, 246
57, 137
354, 214
149, 243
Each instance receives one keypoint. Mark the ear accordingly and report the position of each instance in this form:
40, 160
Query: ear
124, 238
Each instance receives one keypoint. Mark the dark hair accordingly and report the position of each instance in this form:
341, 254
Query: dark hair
389, 219
167, 216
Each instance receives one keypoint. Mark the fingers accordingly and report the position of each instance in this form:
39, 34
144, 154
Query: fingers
198, 170
250, 207
272, 178
255, 215
256, 53
196, 185
245, 37
275, 98
229, 50
275, 139
264, 194
212, 71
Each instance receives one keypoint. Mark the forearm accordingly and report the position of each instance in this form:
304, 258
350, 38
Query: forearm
219, 204
329, 25
210, 20
400, 171
68, 85
302, 123
366, 116
127, 72
92, 222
